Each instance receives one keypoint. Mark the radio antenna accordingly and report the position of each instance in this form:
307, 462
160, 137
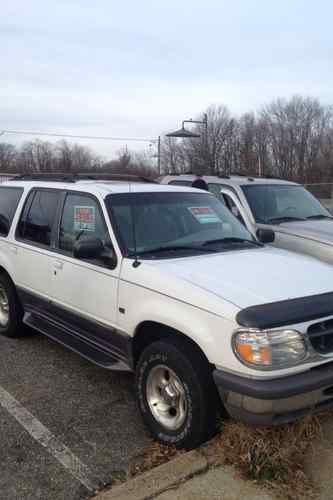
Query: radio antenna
136, 262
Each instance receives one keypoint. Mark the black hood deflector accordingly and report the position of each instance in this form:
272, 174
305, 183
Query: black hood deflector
286, 312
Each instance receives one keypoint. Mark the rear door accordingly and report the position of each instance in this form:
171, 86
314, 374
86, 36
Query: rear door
34, 242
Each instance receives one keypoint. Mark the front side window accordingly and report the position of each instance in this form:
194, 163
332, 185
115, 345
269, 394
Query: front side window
233, 208
271, 204
38, 217
83, 221
215, 188
179, 222
9, 199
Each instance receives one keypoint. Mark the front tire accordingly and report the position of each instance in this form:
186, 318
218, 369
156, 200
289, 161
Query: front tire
176, 393
11, 312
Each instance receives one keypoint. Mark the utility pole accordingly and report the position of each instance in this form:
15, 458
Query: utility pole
259, 166
159, 155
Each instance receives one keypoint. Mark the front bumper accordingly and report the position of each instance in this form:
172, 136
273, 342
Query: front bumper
276, 401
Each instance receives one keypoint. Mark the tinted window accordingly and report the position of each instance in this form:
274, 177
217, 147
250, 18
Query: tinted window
82, 219
177, 219
229, 202
9, 198
272, 203
38, 216
215, 188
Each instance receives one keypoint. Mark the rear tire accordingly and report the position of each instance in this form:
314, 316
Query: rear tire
176, 393
11, 312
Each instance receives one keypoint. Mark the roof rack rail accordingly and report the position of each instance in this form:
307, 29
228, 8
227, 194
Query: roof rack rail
239, 174
269, 176
78, 176
51, 177
113, 177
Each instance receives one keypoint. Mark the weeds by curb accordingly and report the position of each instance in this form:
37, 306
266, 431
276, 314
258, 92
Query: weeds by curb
272, 457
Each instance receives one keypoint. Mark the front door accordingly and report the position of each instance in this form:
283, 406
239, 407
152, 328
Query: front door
85, 289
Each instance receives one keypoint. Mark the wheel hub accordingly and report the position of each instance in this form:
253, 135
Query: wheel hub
166, 397
170, 394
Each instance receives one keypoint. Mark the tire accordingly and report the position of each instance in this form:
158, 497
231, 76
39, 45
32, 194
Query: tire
11, 312
167, 368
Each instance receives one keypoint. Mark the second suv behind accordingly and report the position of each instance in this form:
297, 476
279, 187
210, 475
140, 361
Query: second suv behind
300, 222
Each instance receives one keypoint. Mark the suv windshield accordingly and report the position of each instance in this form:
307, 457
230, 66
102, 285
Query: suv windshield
175, 223
272, 204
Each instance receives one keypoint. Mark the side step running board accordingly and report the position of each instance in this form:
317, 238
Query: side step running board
76, 343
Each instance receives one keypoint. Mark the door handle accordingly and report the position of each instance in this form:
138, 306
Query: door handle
58, 265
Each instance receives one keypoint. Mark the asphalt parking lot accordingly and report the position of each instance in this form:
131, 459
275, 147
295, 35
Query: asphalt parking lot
66, 426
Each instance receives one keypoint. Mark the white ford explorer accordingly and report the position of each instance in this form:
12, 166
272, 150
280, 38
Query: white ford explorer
167, 283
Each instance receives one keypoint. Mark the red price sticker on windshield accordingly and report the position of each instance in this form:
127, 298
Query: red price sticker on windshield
205, 215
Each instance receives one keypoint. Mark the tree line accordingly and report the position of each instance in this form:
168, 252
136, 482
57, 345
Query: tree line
45, 157
292, 139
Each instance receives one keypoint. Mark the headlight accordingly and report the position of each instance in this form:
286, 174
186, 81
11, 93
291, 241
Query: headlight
269, 350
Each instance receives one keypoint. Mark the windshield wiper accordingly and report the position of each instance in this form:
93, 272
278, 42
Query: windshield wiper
318, 217
233, 239
173, 248
286, 218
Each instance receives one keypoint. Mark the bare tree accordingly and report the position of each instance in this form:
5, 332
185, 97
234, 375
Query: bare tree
7, 157
296, 130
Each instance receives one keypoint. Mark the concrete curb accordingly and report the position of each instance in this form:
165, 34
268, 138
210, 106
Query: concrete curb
159, 479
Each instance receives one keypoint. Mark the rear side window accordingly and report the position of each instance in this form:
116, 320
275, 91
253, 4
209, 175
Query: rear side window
9, 199
38, 217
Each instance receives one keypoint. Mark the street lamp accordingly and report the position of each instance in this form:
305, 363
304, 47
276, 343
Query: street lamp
187, 134
183, 133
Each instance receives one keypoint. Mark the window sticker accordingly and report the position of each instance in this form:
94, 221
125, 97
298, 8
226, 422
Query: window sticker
204, 215
84, 218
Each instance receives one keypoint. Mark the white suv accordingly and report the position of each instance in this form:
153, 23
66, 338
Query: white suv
167, 283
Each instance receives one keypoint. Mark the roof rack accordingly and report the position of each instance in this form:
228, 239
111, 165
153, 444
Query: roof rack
238, 174
77, 176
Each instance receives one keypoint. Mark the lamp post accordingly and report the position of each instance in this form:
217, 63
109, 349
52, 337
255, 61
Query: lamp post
187, 134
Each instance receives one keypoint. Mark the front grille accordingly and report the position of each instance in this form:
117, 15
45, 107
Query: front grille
321, 336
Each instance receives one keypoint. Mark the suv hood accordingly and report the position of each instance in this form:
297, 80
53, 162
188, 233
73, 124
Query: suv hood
319, 230
249, 277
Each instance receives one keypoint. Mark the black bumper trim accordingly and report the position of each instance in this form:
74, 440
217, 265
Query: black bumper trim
286, 312
278, 388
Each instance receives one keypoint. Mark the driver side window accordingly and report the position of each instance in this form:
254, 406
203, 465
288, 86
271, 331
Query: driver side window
230, 204
82, 219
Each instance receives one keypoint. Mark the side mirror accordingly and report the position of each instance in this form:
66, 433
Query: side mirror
88, 249
266, 235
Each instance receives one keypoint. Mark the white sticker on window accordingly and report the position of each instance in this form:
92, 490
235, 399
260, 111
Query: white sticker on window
84, 218
205, 215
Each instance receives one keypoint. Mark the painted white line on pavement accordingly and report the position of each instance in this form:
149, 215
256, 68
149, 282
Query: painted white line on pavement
48, 440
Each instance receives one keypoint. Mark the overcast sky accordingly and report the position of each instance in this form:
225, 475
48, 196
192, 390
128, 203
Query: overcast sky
137, 68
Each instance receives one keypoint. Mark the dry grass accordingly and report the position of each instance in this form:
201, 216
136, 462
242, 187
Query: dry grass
274, 457
156, 454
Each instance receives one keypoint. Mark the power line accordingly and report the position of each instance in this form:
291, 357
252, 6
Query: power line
72, 136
